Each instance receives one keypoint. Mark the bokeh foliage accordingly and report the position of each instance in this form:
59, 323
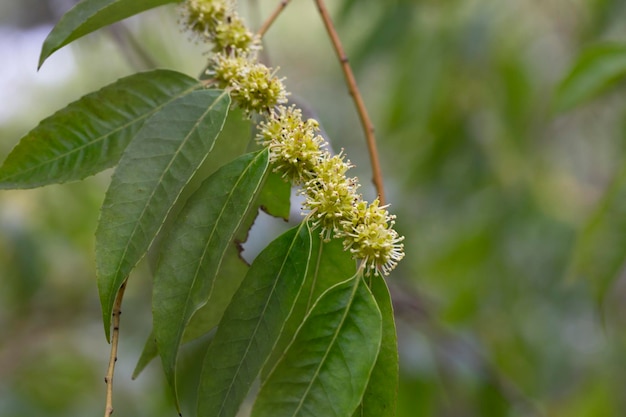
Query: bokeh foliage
508, 301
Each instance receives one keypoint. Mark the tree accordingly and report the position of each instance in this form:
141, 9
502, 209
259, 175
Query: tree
501, 134
304, 316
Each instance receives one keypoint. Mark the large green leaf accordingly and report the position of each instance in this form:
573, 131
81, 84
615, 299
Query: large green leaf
151, 174
600, 250
274, 199
231, 143
327, 366
252, 323
329, 265
596, 69
380, 397
90, 134
90, 15
192, 254
231, 272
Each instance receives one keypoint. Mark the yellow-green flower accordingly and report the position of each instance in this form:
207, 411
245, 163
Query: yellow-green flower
330, 195
370, 236
252, 86
232, 35
295, 146
203, 16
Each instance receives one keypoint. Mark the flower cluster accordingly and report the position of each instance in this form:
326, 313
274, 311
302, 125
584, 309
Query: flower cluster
295, 147
370, 236
234, 66
334, 206
297, 151
252, 85
217, 22
331, 196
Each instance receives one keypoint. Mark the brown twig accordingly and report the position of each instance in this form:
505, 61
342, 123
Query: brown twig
108, 379
270, 20
366, 122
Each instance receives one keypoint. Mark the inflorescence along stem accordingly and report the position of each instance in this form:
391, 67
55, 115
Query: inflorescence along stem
297, 151
108, 379
366, 122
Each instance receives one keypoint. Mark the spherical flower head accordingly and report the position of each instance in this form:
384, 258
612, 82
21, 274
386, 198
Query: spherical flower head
283, 119
252, 86
331, 196
203, 16
295, 147
370, 236
226, 69
232, 35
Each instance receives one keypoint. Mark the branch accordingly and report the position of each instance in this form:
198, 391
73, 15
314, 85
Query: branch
108, 379
270, 20
366, 122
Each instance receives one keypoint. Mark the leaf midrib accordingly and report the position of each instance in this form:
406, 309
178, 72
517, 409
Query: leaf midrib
282, 266
330, 346
221, 257
149, 200
98, 139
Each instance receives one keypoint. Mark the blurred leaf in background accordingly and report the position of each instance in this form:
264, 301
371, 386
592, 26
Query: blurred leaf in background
597, 69
492, 191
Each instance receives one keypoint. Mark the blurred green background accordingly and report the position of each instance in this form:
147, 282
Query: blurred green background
507, 182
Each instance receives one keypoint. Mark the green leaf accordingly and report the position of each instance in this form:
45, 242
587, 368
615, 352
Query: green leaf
91, 15
149, 352
253, 322
90, 134
596, 69
151, 174
334, 265
231, 273
276, 196
329, 265
193, 253
231, 143
381, 395
327, 366
274, 199
600, 250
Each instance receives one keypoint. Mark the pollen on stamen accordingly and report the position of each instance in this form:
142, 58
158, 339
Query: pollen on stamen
203, 16
251, 84
370, 235
295, 147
